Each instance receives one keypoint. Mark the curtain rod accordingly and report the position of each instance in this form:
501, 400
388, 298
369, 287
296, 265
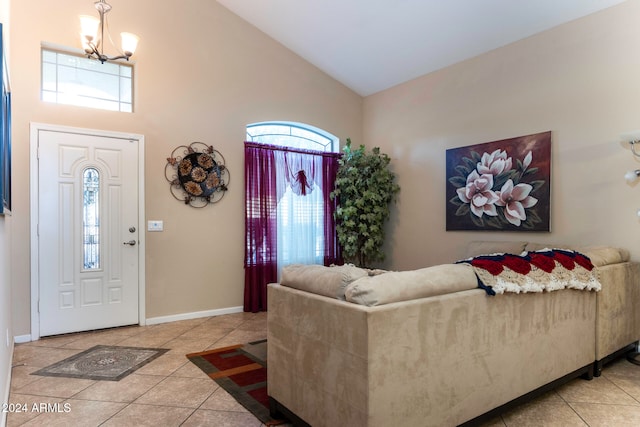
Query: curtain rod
293, 150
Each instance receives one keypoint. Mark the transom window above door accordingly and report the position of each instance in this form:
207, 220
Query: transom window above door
73, 79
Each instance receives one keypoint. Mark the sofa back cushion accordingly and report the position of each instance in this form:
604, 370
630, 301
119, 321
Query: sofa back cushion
604, 255
408, 285
481, 247
599, 255
532, 246
318, 279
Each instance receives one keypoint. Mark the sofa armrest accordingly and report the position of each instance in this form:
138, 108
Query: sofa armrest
617, 308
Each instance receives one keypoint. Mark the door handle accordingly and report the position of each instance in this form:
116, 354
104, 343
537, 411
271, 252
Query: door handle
130, 243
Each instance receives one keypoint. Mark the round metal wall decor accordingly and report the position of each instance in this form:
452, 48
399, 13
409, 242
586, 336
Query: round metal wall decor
198, 177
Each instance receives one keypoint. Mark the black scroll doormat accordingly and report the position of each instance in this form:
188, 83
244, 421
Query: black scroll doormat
103, 362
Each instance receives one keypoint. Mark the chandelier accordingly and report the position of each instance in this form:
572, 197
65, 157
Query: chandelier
93, 31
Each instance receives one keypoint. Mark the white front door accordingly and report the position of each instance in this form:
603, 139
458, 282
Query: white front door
88, 231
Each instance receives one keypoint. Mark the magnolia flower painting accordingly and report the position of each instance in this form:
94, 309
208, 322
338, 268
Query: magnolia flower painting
500, 185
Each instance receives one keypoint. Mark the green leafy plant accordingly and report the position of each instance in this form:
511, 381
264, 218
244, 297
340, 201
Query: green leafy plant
364, 189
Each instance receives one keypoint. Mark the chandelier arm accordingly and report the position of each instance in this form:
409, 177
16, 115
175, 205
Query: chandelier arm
116, 57
122, 54
101, 43
104, 22
91, 48
93, 52
633, 147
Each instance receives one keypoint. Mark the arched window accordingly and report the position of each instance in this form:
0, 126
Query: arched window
290, 171
294, 135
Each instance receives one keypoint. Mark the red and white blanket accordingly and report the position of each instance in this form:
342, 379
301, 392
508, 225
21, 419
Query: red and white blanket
534, 271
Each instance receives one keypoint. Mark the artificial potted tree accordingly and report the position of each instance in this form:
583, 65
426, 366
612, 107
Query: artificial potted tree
364, 189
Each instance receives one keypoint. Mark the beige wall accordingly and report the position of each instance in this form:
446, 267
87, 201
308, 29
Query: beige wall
579, 80
6, 327
202, 74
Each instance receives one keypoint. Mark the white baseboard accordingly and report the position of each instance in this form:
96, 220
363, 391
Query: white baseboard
19, 339
193, 315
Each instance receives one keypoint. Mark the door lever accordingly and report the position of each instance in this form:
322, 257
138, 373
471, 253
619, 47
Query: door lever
130, 243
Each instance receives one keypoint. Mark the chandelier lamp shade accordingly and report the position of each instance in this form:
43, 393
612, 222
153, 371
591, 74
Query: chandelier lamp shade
632, 176
93, 32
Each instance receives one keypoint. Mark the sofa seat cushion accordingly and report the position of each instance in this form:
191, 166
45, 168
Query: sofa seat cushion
408, 285
318, 279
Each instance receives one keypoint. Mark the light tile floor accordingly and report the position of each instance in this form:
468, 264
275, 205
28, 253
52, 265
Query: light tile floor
611, 400
171, 391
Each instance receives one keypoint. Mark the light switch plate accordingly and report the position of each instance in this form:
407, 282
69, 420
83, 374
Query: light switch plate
155, 225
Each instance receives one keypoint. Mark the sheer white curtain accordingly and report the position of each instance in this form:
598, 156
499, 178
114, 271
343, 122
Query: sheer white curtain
300, 209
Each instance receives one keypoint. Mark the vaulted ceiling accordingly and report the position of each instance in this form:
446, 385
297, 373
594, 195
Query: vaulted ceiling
371, 45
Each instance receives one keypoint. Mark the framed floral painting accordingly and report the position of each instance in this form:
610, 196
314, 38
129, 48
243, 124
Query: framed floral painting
500, 185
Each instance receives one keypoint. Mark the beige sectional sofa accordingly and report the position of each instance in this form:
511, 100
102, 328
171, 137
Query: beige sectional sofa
428, 348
